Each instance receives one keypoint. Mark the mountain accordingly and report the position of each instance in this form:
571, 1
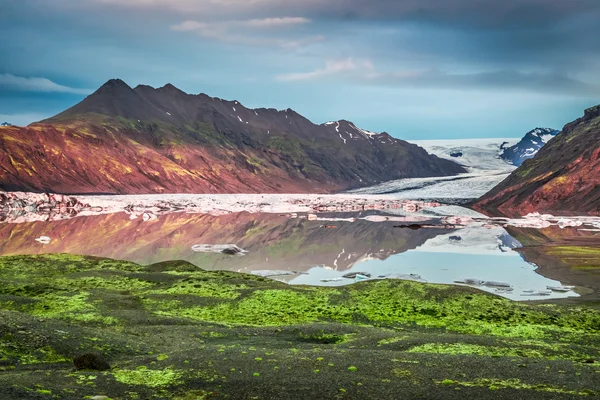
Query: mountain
528, 147
477, 155
5, 124
563, 176
121, 140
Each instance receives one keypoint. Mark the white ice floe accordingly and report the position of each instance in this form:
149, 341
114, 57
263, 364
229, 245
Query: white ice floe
230, 249
265, 273
43, 240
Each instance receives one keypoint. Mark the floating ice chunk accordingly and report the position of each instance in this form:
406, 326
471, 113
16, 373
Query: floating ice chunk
563, 289
43, 240
353, 275
538, 293
265, 273
230, 249
405, 277
497, 284
470, 281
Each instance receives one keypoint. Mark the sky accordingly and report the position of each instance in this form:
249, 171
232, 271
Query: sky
418, 69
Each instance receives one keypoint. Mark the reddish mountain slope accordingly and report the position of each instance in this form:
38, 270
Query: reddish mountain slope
563, 176
146, 140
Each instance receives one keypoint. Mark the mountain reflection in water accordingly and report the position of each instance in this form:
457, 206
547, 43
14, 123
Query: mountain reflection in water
318, 252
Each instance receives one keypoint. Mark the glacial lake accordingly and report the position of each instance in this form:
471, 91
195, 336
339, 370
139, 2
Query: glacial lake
520, 263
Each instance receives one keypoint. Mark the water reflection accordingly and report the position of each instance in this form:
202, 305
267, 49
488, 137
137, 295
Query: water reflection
311, 251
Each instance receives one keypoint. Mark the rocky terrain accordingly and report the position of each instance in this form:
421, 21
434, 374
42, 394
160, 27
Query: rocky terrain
75, 327
121, 140
564, 176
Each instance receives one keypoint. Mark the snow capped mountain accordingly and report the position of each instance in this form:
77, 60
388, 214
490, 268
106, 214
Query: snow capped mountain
5, 124
475, 154
528, 147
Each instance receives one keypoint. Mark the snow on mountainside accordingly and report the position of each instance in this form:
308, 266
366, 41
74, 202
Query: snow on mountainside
478, 156
528, 147
5, 124
346, 131
475, 154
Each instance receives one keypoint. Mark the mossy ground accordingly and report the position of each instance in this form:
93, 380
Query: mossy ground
172, 331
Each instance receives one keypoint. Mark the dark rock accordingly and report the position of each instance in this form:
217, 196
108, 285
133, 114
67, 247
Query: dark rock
456, 154
353, 275
414, 227
455, 238
232, 251
91, 361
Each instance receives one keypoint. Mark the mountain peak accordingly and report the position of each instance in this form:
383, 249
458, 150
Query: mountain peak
171, 88
114, 83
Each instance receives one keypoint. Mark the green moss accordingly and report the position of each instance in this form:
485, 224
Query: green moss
75, 307
464, 348
391, 340
203, 289
110, 283
143, 376
496, 384
402, 373
229, 298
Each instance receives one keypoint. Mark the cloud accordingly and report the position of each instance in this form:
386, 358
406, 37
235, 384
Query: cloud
34, 84
250, 32
223, 26
503, 80
364, 72
475, 12
331, 68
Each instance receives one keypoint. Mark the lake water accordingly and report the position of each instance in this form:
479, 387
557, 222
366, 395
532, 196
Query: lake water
319, 249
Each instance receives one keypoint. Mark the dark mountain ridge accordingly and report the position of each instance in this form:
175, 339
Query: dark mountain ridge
147, 140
